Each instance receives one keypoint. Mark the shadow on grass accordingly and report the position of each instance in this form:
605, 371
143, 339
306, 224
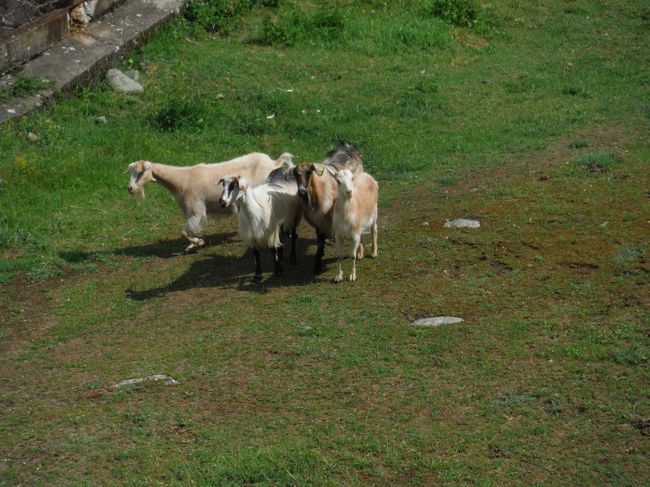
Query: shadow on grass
163, 249
218, 271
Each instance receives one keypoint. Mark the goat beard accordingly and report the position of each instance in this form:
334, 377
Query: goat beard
138, 193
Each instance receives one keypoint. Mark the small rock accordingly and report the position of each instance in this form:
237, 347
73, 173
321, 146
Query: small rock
168, 380
462, 223
220, 96
134, 74
121, 83
437, 321
569, 66
32, 136
101, 119
11, 110
426, 224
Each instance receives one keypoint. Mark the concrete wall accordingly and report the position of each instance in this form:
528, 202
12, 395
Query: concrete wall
31, 39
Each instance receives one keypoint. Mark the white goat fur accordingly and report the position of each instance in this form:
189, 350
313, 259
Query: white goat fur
355, 212
262, 210
193, 186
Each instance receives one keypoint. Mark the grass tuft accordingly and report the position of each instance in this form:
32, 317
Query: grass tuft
24, 86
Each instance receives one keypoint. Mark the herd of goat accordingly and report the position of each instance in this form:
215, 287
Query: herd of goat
270, 198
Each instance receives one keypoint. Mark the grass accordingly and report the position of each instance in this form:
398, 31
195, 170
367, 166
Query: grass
298, 381
22, 87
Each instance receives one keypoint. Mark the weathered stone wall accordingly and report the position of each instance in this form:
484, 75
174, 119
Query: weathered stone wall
37, 34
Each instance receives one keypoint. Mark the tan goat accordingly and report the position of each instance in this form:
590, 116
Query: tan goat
194, 187
355, 213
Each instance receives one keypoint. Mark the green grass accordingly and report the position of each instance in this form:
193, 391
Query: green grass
22, 87
525, 116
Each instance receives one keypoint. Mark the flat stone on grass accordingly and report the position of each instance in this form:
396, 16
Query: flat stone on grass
462, 223
437, 321
121, 83
137, 380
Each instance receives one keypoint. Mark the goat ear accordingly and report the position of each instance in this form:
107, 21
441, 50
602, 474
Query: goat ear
243, 184
219, 182
146, 166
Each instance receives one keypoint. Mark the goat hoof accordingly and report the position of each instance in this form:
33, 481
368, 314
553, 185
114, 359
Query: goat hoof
338, 279
190, 249
353, 277
374, 255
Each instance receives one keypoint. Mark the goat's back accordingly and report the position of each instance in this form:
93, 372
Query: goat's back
255, 167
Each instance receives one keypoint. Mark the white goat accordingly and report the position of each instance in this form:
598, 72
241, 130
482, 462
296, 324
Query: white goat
193, 186
355, 212
263, 212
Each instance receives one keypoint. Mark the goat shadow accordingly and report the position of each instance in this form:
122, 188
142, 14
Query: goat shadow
236, 272
163, 249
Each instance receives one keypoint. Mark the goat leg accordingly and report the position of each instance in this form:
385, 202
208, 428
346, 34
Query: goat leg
374, 240
258, 267
320, 252
339, 253
355, 250
360, 252
294, 237
194, 241
276, 261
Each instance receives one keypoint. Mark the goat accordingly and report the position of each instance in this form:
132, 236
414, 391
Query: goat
263, 211
193, 186
355, 212
319, 192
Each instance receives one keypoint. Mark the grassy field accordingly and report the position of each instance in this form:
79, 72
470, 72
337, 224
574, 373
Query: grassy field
532, 117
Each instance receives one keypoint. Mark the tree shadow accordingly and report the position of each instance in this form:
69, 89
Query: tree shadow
163, 249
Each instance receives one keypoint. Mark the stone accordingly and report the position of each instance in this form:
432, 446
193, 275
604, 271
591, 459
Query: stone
220, 96
137, 380
101, 119
134, 74
121, 83
462, 223
437, 321
32, 136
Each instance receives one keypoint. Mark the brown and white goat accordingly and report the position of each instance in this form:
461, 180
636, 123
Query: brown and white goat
355, 213
318, 192
193, 186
